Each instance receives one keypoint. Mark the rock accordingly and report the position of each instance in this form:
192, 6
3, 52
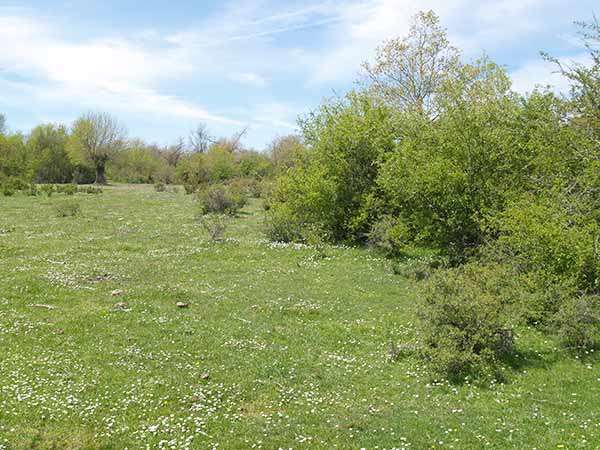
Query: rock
182, 305
121, 306
39, 305
116, 293
205, 376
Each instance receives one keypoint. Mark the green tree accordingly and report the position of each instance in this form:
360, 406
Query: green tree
96, 138
47, 145
408, 72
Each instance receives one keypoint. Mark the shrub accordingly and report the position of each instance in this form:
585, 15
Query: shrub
83, 174
465, 321
189, 188
32, 190
159, 186
67, 208
548, 236
281, 225
8, 191
221, 199
90, 190
317, 238
419, 268
48, 189
577, 322
250, 187
68, 189
389, 235
215, 225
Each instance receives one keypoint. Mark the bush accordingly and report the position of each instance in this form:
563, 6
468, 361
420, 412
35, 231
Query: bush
389, 235
83, 174
67, 208
90, 190
8, 191
68, 189
32, 190
548, 236
577, 322
281, 225
221, 199
466, 321
48, 189
189, 188
159, 186
215, 225
418, 268
250, 187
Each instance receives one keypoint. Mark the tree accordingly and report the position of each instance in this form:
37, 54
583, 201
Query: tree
96, 137
585, 79
408, 72
47, 145
2, 124
200, 139
285, 151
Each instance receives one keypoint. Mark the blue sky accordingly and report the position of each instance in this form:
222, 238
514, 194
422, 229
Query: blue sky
162, 67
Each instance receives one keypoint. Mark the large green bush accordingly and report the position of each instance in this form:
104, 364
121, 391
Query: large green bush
333, 186
467, 320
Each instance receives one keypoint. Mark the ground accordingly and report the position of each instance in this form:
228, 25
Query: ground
278, 348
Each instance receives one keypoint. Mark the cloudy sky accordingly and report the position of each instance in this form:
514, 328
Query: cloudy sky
163, 66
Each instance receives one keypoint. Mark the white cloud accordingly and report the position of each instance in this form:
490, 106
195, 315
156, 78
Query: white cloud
249, 78
111, 73
541, 73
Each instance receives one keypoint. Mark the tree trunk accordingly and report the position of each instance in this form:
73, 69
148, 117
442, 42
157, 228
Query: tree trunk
100, 175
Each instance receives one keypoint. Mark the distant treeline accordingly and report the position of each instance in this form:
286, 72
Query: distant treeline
95, 148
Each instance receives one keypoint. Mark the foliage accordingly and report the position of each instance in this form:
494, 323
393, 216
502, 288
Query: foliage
466, 321
95, 139
409, 72
67, 208
47, 147
577, 322
221, 199
215, 225
390, 235
334, 187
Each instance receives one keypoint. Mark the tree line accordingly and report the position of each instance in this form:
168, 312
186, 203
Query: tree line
96, 148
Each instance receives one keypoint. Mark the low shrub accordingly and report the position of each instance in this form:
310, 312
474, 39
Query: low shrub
418, 268
577, 321
281, 225
89, 190
390, 235
221, 199
32, 190
189, 188
466, 321
67, 208
549, 237
8, 191
215, 225
48, 189
317, 238
68, 189
250, 187
159, 186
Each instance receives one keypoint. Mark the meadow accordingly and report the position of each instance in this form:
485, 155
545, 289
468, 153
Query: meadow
271, 346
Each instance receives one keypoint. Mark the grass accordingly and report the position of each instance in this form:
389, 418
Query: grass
278, 347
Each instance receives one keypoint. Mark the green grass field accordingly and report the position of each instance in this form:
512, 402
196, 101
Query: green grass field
278, 348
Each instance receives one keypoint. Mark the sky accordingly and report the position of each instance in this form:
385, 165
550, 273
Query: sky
162, 67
